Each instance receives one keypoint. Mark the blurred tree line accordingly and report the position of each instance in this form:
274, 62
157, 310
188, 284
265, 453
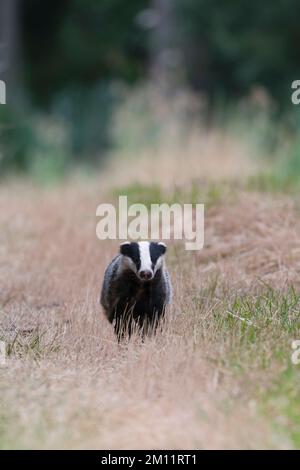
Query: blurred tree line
68, 54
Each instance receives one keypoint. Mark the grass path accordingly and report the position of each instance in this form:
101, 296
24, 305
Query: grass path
218, 375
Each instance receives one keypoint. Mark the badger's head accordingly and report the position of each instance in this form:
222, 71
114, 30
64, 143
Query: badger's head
143, 258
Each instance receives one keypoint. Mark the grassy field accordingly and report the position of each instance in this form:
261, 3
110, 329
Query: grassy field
219, 375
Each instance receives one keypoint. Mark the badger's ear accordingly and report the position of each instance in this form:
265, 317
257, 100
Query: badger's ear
125, 248
162, 247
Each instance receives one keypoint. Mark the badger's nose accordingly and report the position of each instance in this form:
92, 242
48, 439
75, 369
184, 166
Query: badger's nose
146, 275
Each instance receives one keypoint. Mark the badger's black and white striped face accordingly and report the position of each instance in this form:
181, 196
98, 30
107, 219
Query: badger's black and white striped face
144, 258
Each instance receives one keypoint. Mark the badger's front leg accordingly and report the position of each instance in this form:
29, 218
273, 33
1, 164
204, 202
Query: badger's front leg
123, 320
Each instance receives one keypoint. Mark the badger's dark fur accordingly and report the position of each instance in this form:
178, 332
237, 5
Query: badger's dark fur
136, 287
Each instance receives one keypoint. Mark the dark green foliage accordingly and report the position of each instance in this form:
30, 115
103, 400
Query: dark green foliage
233, 45
16, 141
71, 52
80, 42
227, 46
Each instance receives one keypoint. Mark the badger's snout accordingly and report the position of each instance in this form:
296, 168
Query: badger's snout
145, 275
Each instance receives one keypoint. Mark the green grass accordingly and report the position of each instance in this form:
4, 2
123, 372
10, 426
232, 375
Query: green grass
283, 175
255, 333
261, 329
269, 309
281, 404
274, 182
196, 193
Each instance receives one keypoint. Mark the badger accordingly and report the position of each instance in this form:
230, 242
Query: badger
136, 288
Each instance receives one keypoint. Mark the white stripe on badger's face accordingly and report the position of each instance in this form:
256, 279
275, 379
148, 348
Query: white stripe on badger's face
146, 263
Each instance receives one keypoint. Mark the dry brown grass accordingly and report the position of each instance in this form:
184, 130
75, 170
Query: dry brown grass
256, 238
197, 384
